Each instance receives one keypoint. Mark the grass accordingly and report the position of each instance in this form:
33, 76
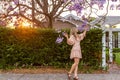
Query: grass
117, 59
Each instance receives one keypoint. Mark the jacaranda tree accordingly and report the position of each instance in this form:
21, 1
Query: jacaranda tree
33, 10
38, 10
86, 8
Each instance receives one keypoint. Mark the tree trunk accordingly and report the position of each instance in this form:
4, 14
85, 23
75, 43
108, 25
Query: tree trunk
33, 16
50, 22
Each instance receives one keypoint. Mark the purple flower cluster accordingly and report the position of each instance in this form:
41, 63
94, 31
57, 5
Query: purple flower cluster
15, 13
99, 2
16, 1
10, 8
82, 27
59, 39
73, 0
77, 7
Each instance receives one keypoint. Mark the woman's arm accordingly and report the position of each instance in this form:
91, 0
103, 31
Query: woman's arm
66, 35
83, 34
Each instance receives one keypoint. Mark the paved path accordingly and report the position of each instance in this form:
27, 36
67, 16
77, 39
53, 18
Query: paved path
114, 74
114, 69
58, 76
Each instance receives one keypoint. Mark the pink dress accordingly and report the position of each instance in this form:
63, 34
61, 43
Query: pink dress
76, 49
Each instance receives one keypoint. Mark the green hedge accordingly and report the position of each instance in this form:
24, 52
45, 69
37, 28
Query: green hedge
116, 50
92, 48
37, 47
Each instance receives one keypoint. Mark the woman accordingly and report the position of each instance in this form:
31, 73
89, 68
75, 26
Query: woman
76, 55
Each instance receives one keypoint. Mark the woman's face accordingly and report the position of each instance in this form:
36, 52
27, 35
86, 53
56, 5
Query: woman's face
74, 30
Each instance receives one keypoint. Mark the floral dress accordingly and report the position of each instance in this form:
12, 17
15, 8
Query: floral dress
76, 49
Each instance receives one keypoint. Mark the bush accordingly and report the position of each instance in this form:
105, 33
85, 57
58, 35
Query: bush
37, 47
92, 47
116, 50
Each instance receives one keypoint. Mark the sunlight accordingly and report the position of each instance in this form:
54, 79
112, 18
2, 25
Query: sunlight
19, 23
11, 25
26, 24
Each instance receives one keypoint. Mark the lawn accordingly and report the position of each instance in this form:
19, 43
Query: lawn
117, 60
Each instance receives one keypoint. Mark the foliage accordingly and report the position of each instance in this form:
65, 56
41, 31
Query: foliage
116, 50
37, 47
92, 47
117, 59
116, 55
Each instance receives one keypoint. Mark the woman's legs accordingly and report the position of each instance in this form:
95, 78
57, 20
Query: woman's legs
74, 66
75, 71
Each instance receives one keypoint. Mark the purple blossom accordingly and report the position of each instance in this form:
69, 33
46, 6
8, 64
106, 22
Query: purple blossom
101, 6
77, 7
15, 13
92, 3
112, 7
59, 39
71, 8
80, 0
10, 8
97, 2
80, 28
73, 0
16, 1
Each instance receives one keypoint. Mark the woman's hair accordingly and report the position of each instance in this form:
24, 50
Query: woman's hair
74, 31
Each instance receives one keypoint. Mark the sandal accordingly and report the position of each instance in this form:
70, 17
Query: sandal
69, 76
76, 78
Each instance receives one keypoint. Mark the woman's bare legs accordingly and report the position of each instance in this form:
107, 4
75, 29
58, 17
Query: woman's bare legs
74, 66
75, 71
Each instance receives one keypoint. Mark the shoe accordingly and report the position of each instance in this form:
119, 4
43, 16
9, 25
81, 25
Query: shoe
69, 76
75, 78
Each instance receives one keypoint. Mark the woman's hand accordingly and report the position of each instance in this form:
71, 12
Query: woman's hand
87, 28
66, 35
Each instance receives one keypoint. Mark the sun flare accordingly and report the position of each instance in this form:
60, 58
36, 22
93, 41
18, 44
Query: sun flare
19, 23
24, 23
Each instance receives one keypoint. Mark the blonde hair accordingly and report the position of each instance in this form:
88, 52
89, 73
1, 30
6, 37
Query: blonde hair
73, 31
